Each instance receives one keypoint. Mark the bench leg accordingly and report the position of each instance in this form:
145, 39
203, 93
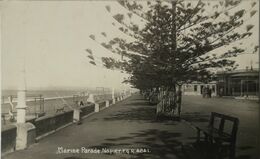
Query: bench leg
210, 139
232, 152
198, 135
219, 153
206, 137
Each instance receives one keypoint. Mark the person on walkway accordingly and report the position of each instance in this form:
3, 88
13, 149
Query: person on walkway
81, 103
204, 92
220, 92
209, 92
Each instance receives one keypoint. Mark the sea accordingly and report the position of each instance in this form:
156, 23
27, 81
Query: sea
51, 94
53, 99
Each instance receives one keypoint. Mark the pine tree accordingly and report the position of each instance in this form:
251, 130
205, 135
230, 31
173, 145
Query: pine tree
176, 43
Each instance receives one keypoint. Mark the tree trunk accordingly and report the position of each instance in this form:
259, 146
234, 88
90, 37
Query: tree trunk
174, 41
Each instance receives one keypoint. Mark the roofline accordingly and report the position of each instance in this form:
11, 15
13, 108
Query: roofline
256, 70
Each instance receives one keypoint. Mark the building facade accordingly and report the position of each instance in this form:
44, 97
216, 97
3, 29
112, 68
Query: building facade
196, 88
242, 83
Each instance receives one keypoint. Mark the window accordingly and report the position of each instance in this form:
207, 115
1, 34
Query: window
195, 88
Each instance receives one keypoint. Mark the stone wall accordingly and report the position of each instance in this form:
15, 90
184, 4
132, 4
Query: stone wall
102, 104
44, 126
8, 138
85, 110
52, 122
110, 101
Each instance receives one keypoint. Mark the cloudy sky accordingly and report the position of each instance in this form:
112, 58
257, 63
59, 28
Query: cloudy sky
51, 37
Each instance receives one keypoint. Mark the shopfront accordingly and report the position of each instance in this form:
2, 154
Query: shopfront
238, 83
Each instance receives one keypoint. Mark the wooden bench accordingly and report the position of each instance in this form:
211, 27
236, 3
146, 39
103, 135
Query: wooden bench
216, 133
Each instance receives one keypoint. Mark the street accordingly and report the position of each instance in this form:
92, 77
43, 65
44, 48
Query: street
197, 110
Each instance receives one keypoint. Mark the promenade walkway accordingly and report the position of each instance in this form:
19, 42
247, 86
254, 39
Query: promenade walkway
127, 125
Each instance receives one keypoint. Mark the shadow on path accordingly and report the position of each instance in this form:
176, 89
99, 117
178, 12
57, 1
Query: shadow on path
137, 110
161, 144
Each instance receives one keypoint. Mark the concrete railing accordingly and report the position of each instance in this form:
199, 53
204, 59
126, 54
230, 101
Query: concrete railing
85, 110
40, 127
110, 101
102, 104
50, 123
8, 141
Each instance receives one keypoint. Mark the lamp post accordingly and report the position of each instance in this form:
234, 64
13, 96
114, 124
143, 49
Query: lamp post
21, 94
23, 138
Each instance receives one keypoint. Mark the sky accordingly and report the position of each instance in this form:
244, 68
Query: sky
49, 40
52, 37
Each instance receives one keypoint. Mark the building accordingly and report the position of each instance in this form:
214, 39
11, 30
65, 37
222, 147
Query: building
242, 83
196, 88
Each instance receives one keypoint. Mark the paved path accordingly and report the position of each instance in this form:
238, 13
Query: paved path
129, 124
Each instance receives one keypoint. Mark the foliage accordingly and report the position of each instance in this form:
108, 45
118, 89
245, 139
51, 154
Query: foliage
176, 44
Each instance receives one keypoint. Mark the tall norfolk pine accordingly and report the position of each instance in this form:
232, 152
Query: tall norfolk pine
175, 43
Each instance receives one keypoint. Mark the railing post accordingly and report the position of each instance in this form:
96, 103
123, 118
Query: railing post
21, 106
26, 132
92, 100
107, 103
76, 115
96, 107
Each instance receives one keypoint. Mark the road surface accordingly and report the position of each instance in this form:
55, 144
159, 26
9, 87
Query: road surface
197, 110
